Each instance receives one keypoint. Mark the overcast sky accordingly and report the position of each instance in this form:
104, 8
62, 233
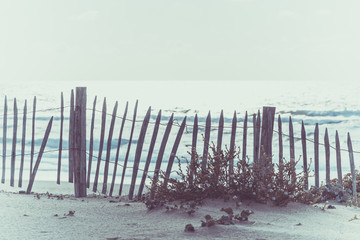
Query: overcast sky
179, 40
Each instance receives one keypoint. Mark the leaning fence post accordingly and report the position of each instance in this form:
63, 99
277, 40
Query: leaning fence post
352, 168
138, 152
42, 148
33, 135
108, 149
80, 143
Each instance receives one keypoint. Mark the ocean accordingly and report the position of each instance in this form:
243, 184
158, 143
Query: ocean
333, 105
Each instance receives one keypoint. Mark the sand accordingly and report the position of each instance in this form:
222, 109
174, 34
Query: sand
97, 217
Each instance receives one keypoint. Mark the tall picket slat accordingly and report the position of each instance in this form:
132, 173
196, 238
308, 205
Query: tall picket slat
220, 132
232, 145
128, 149
138, 152
4, 141
108, 149
174, 150
150, 152
352, 169
244, 137
37, 163
292, 147
61, 137
206, 141
303, 141
291, 139
23, 146
327, 156
13, 151
32, 136
160, 155
257, 131
316, 155
254, 139
71, 137
91, 144
193, 148
281, 149
118, 149
338, 158
101, 146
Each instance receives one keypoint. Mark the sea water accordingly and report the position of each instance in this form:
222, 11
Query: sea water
333, 105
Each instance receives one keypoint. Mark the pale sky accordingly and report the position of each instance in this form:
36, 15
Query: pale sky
179, 40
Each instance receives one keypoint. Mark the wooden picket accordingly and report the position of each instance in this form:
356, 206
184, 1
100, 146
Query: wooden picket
4, 141
101, 145
118, 149
13, 151
128, 149
108, 149
22, 146
139, 147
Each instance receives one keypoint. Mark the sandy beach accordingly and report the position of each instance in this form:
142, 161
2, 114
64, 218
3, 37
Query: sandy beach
50, 216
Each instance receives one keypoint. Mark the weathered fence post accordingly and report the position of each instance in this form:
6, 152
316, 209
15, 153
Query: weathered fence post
244, 137
138, 152
22, 146
80, 143
150, 152
193, 149
118, 150
232, 146
13, 152
33, 135
220, 132
4, 141
338, 158
101, 145
327, 156
303, 141
316, 154
71, 138
352, 168
281, 153
173, 151
108, 149
206, 141
91, 144
267, 130
37, 163
61, 138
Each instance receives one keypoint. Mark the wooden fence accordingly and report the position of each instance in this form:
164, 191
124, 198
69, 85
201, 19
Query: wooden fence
79, 166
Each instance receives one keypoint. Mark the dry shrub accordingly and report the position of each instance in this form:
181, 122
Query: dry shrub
261, 181
256, 181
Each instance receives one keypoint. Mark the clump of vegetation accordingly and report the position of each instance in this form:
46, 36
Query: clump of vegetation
260, 181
